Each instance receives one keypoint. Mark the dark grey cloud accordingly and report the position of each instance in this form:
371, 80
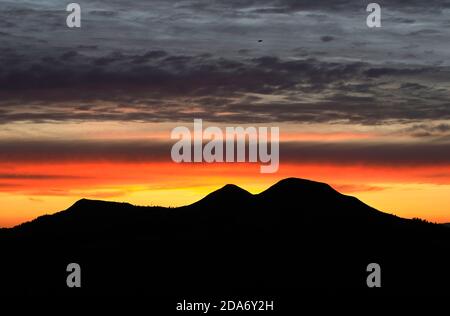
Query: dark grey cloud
327, 38
283, 6
392, 71
342, 153
157, 86
103, 13
80, 151
441, 130
161, 60
385, 154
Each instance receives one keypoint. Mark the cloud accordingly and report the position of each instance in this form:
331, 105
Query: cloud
79, 151
14, 176
352, 188
158, 61
327, 38
342, 153
428, 130
157, 86
363, 153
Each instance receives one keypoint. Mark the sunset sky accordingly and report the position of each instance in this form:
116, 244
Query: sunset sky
87, 113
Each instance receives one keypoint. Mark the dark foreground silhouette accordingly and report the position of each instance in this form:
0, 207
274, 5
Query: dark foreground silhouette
296, 237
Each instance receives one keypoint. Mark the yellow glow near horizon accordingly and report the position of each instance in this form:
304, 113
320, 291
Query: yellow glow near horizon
425, 201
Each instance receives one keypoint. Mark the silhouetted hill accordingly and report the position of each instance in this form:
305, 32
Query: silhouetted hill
228, 195
296, 235
295, 187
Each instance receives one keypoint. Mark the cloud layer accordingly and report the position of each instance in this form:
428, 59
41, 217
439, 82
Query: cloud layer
395, 154
227, 61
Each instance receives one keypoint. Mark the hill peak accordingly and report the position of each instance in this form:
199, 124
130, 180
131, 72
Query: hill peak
232, 188
229, 190
229, 193
297, 185
98, 204
300, 183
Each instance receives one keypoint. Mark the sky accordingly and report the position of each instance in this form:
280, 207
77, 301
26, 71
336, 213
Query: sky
87, 112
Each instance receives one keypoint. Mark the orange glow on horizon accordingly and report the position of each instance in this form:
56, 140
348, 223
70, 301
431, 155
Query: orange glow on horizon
36, 189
